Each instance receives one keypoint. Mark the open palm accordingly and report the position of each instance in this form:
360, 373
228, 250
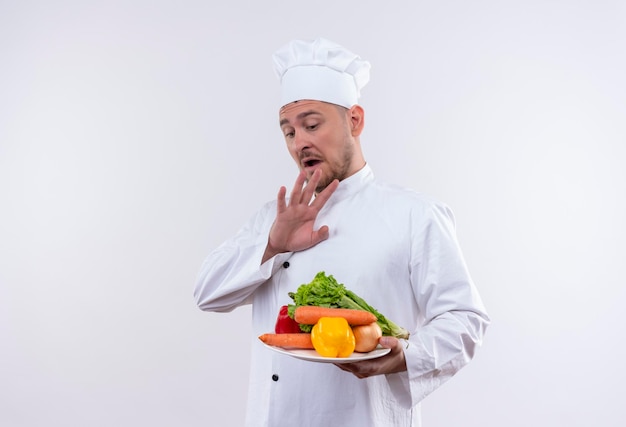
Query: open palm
293, 228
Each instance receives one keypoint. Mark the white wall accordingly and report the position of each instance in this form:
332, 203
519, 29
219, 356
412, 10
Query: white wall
136, 136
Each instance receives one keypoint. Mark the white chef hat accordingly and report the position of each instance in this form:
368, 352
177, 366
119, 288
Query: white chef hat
320, 70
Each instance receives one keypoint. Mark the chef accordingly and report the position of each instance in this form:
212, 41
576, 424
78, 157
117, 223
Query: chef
394, 247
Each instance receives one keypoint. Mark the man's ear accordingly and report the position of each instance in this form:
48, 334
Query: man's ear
356, 116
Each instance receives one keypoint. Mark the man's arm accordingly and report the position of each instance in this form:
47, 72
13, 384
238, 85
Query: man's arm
454, 317
232, 272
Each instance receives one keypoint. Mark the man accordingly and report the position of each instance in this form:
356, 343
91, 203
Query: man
392, 246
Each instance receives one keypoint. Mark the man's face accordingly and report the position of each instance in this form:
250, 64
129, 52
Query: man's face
318, 136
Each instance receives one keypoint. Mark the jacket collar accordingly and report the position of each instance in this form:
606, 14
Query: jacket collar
353, 184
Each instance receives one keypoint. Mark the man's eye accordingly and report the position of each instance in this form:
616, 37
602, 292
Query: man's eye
289, 135
311, 127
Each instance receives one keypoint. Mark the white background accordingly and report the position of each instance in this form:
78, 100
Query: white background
135, 136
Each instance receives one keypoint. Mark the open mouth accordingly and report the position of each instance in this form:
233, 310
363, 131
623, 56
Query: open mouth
311, 162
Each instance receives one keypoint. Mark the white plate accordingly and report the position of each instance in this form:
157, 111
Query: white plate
314, 356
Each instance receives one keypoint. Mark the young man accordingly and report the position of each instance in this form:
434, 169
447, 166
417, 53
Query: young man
392, 246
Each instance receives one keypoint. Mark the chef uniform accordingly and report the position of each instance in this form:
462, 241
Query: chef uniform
394, 247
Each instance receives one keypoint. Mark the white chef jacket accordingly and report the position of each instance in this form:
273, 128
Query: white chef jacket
395, 248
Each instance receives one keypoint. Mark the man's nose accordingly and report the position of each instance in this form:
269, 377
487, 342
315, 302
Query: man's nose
301, 141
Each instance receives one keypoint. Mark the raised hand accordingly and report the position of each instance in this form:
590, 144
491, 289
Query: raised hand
293, 227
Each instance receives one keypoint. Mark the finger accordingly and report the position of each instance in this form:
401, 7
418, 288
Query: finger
348, 367
322, 197
296, 192
281, 204
320, 235
354, 368
309, 189
388, 342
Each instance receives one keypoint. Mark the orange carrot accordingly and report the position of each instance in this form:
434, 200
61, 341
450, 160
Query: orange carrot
288, 340
310, 314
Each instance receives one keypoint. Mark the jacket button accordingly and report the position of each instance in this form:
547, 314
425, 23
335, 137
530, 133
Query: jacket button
274, 377
286, 264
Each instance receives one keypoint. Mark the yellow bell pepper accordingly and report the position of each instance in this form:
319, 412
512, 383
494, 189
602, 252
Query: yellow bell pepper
333, 337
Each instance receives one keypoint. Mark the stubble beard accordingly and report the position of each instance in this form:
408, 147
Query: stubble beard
338, 170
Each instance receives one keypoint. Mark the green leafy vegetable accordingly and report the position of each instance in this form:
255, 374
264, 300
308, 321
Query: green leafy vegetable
325, 291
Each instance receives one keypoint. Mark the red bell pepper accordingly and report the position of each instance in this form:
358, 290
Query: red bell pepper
285, 324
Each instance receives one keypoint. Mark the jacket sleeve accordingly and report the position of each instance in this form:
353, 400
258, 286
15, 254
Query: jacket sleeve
231, 273
452, 316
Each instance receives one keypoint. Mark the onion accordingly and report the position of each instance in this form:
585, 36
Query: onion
366, 337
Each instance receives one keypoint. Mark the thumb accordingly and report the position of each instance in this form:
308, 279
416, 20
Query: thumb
388, 342
321, 234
